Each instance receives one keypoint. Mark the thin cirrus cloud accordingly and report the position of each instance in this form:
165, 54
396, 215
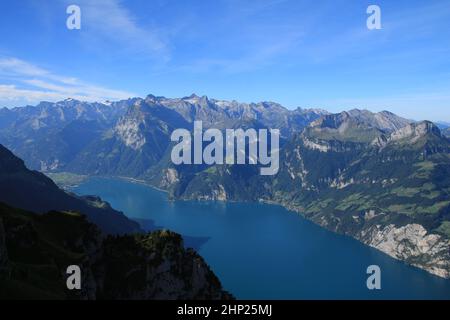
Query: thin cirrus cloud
31, 83
109, 21
257, 56
14, 67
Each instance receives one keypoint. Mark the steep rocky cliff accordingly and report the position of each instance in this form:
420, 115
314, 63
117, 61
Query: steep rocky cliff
35, 251
411, 243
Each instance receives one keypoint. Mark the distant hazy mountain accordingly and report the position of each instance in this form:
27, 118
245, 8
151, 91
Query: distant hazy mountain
442, 125
446, 132
33, 191
49, 135
126, 137
224, 114
355, 125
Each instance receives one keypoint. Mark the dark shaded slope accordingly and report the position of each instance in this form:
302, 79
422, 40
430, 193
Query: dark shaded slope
31, 190
35, 251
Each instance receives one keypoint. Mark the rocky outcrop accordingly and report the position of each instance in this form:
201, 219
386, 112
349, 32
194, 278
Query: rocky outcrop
384, 120
316, 145
169, 178
413, 244
410, 134
415, 131
341, 122
128, 130
216, 192
141, 266
155, 266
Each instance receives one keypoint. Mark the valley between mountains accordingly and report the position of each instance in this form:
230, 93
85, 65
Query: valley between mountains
376, 177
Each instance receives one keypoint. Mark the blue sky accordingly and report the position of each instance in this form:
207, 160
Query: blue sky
298, 53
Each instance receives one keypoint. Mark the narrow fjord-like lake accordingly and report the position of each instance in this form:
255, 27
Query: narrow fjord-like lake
262, 251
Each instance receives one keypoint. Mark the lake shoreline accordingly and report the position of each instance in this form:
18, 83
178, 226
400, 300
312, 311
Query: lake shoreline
288, 207
262, 250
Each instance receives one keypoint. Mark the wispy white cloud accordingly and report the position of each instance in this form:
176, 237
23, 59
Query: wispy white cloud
10, 93
245, 36
11, 66
110, 21
398, 26
31, 83
261, 55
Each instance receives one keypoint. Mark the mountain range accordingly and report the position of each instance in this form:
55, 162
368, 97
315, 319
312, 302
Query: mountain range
377, 177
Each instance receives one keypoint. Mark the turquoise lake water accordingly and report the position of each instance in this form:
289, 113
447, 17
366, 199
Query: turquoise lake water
262, 251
